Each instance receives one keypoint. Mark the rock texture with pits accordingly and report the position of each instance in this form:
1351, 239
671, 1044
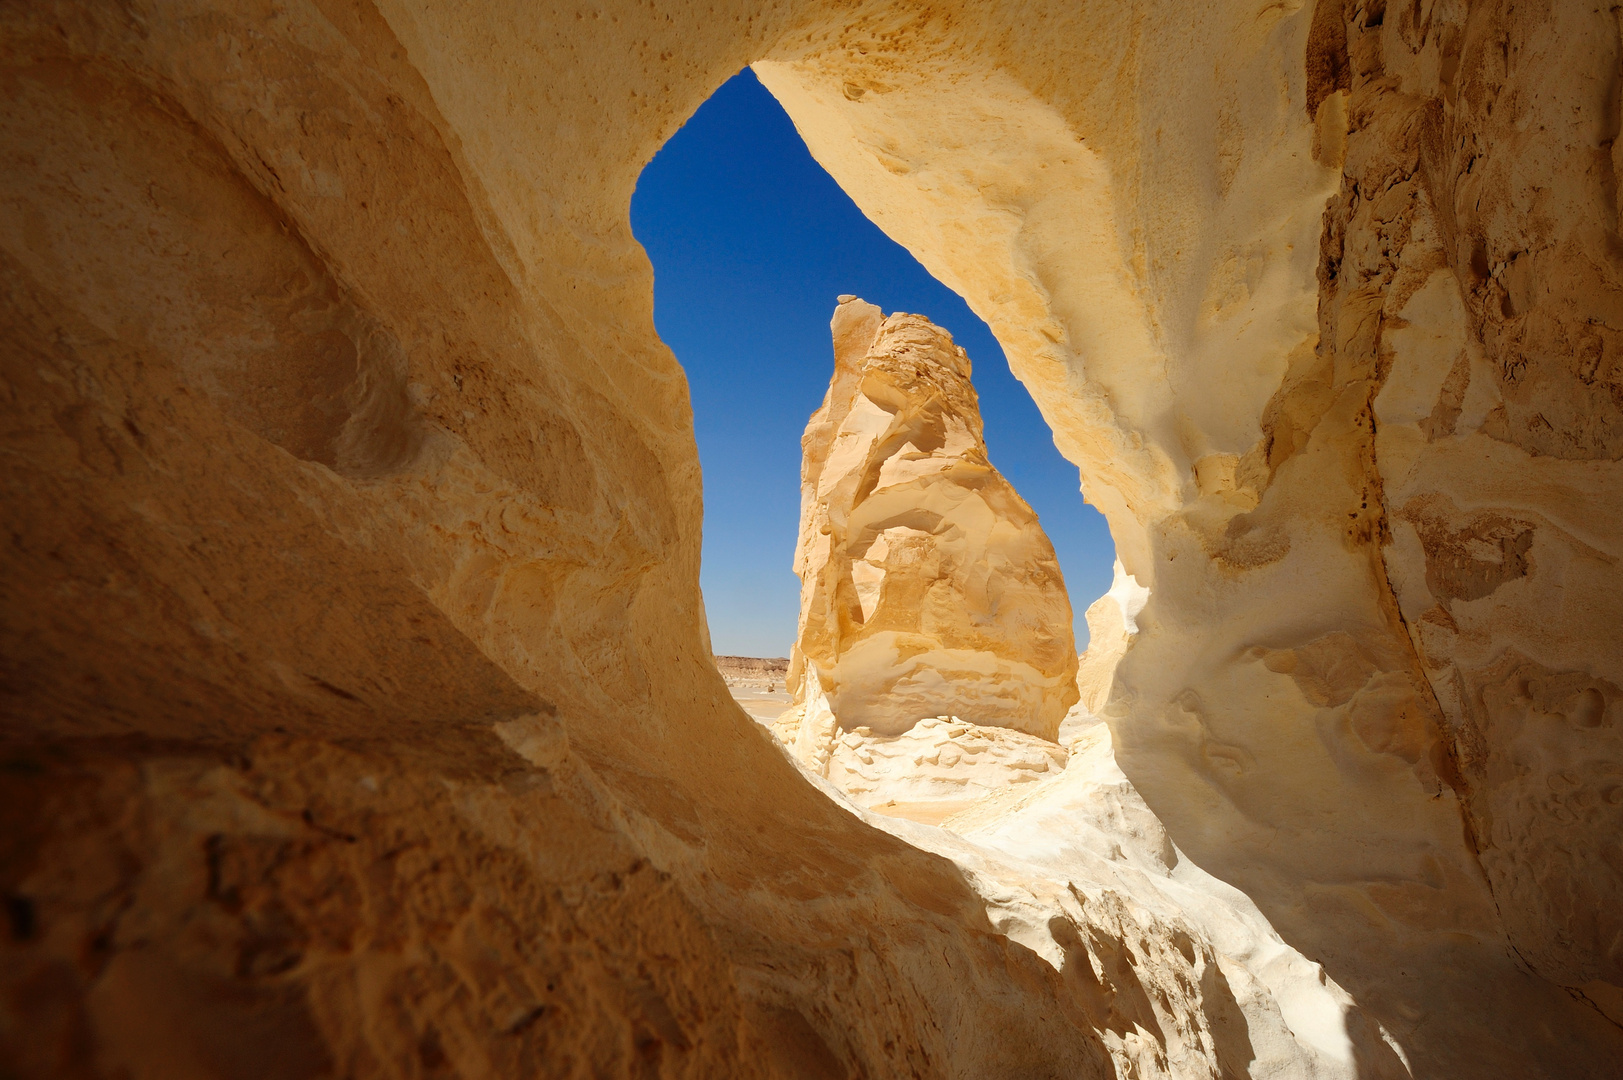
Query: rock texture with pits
359, 717
928, 588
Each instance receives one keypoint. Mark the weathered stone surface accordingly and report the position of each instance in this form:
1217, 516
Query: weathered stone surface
337, 436
934, 660
928, 588
753, 672
1201, 258
358, 716
938, 767
1112, 622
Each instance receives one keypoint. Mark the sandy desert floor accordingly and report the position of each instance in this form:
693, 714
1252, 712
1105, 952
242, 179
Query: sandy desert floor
764, 705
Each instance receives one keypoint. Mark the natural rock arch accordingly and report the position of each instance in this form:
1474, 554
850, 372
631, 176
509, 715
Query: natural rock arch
354, 515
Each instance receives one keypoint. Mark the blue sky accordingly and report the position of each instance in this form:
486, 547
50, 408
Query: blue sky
752, 242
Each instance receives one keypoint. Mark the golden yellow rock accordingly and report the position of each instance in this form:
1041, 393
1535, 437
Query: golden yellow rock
928, 588
1111, 626
938, 767
358, 713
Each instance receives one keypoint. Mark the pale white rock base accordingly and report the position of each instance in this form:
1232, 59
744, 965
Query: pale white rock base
939, 766
1185, 975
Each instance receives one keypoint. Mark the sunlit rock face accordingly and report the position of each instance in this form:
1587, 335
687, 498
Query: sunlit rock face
1112, 622
928, 588
358, 713
934, 660
939, 767
1322, 301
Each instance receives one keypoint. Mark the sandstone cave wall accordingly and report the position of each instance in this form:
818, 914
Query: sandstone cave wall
1320, 302
357, 694
928, 587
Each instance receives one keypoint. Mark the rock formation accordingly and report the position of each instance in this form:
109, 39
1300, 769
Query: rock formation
934, 660
358, 712
939, 767
927, 587
1322, 318
753, 672
1112, 622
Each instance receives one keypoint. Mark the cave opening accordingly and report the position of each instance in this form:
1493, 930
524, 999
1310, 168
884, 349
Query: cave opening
752, 242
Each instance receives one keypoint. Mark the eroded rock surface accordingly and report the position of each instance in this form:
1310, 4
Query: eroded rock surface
1329, 347
753, 672
357, 713
928, 588
938, 767
1112, 623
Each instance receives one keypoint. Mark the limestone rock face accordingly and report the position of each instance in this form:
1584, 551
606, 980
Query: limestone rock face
358, 717
938, 767
1333, 357
1112, 622
928, 588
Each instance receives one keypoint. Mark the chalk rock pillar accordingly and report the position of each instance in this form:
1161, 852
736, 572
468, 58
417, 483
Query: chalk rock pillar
928, 588
1111, 627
